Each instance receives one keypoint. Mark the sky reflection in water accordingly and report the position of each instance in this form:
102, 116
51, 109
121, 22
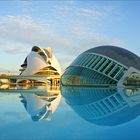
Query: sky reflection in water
80, 113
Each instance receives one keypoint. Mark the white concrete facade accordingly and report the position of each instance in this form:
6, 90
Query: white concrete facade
39, 59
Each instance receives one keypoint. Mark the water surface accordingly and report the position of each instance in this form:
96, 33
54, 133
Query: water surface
72, 113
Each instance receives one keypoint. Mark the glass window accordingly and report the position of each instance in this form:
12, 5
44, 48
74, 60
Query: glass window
109, 68
115, 71
96, 62
104, 65
87, 61
100, 63
91, 61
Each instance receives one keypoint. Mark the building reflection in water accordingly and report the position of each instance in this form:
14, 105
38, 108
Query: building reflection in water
103, 106
39, 101
41, 106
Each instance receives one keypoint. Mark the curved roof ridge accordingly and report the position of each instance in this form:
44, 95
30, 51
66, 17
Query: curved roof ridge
121, 55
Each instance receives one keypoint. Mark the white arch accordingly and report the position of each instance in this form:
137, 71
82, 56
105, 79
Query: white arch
35, 62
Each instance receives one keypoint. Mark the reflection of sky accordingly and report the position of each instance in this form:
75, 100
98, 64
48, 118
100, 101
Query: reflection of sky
16, 123
11, 109
10, 102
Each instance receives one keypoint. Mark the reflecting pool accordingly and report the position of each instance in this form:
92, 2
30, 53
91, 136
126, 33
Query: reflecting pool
69, 112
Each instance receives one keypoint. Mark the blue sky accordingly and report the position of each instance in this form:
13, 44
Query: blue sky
69, 27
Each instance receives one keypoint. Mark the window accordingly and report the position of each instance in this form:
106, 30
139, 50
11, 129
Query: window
111, 66
104, 65
115, 71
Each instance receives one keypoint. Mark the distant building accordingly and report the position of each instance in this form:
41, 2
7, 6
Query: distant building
41, 62
4, 81
102, 65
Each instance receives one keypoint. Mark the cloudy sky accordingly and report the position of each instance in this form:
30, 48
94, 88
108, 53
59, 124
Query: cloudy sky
69, 27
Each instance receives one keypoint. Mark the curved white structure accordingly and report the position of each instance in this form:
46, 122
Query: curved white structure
38, 108
40, 62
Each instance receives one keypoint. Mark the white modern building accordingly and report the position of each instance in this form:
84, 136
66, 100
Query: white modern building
41, 62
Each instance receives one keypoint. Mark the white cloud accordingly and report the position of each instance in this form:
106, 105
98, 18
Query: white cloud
105, 40
24, 3
19, 33
88, 12
79, 13
16, 50
21, 28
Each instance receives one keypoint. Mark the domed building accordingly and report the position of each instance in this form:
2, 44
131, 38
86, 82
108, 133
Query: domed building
101, 85
41, 62
101, 66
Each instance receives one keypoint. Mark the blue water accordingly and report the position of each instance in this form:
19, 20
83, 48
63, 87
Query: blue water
65, 122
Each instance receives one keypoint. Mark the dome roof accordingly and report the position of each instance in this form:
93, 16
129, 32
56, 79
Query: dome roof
121, 55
